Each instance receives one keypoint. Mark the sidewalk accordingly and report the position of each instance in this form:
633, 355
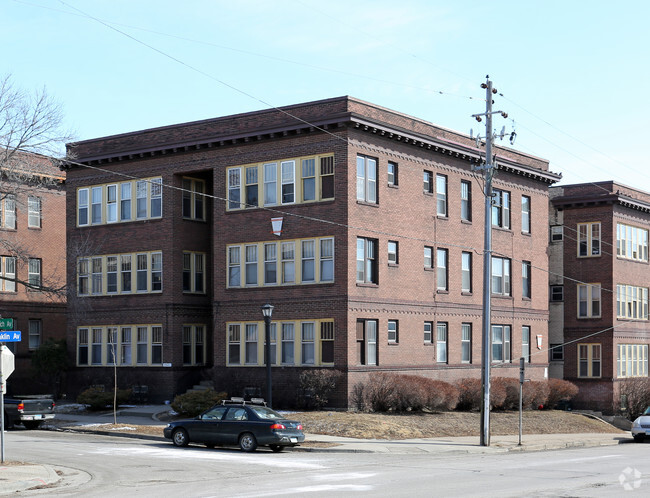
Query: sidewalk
20, 477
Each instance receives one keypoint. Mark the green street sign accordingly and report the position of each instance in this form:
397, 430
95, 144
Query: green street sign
6, 323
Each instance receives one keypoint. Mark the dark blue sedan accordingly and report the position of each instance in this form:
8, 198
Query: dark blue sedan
248, 424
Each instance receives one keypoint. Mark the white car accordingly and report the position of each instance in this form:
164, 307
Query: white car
641, 426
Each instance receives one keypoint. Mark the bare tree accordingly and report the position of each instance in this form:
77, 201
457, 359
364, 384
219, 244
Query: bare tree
31, 139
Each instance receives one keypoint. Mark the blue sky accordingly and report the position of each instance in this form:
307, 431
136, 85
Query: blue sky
573, 74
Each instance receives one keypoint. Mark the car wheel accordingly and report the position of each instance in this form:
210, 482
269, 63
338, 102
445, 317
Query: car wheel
639, 438
276, 448
247, 442
180, 437
31, 424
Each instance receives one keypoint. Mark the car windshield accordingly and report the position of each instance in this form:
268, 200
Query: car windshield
647, 411
266, 413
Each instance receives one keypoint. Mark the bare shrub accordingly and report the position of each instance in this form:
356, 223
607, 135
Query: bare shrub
358, 397
508, 388
635, 395
317, 385
380, 392
535, 394
469, 394
560, 390
441, 395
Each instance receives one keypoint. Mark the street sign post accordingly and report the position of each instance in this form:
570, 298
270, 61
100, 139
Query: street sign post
6, 367
10, 336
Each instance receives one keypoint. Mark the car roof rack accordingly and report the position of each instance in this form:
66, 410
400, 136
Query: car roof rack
241, 401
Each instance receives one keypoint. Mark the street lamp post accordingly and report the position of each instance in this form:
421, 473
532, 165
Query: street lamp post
267, 311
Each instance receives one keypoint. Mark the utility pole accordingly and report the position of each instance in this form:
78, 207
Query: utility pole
488, 169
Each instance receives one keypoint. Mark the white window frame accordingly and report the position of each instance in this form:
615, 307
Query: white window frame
367, 179
393, 332
442, 334
466, 343
501, 276
33, 212
441, 195
526, 214
501, 343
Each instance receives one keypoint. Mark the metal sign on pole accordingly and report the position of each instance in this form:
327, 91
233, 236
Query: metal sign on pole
6, 368
522, 370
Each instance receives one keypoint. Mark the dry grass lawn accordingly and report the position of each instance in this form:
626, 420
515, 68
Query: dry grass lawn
420, 425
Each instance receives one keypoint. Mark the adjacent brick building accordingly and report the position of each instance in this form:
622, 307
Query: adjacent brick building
599, 243
32, 260
362, 226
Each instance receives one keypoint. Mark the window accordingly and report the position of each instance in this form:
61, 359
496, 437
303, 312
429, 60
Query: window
327, 342
525, 214
525, 343
250, 351
288, 336
632, 302
125, 202
557, 293
126, 358
142, 346
83, 275
270, 184
234, 344
441, 343
234, 267
501, 343
270, 264
111, 274
8, 274
34, 212
588, 300
288, 262
251, 265
501, 276
392, 252
557, 233
82, 207
501, 209
141, 199
252, 197
111, 203
441, 269
556, 352
193, 199
366, 261
466, 272
34, 273
125, 270
193, 272
96, 347
97, 275
632, 360
631, 242
308, 269
466, 343
96, 205
428, 332
82, 347
309, 179
308, 335
525, 280
156, 345
588, 239
589, 360
327, 260
441, 195
327, 177
111, 343
35, 331
392, 174
234, 188
428, 257
142, 272
427, 182
288, 181
9, 211
156, 272
393, 337
156, 198
465, 200
367, 342
366, 179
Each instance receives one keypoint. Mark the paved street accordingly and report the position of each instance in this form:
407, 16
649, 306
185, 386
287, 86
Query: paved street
106, 466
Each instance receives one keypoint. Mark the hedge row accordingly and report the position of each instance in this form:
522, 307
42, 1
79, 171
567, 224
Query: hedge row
385, 392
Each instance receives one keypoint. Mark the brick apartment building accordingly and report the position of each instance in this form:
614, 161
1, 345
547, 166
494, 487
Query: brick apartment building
362, 226
32, 260
600, 233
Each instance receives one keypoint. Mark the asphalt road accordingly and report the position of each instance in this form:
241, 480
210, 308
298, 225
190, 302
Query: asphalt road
101, 466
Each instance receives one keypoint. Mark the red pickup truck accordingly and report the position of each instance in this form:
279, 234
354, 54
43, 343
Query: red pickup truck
29, 411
